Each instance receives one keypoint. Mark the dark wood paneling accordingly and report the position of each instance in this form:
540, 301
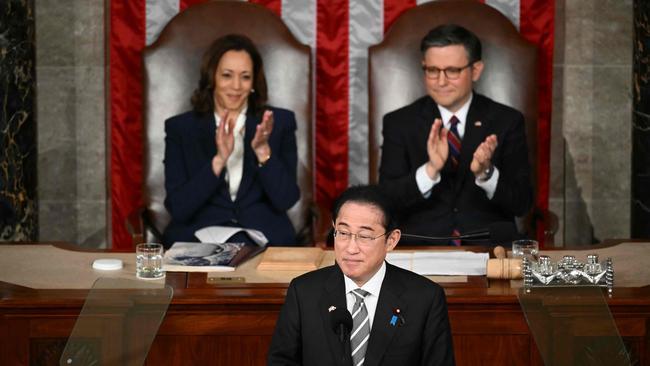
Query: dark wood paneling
491, 349
46, 351
213, 350
232, 324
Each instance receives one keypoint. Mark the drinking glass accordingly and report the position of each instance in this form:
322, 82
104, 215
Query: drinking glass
525, 248
148, 261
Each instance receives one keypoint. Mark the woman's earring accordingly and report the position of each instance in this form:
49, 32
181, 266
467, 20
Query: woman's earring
252, 90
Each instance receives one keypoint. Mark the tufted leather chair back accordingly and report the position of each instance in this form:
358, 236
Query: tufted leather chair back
396, 78
171, 73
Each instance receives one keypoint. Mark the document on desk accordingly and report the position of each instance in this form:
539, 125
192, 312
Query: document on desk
453, 263
221, 234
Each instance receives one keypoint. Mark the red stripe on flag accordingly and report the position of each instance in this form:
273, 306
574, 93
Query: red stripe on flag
127, 39
184, 4
332, 99
395, 8
273, 5
536, 24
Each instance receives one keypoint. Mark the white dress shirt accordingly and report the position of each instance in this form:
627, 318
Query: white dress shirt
426, 184
373, 286
235, 163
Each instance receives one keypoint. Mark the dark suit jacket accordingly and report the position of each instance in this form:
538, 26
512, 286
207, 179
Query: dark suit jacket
196, 198
456, 202
304, 335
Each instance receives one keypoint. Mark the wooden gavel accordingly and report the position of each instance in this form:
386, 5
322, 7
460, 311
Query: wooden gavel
502, 267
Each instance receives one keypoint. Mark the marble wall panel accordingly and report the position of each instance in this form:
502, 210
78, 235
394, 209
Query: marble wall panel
71, 58
577, 127
90, 133
590, 157
91, 223
54, 37
556, 178
18, 180
640, 211
56, 219
88, 33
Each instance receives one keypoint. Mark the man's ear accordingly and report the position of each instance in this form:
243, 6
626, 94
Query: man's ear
393, 239
477, 70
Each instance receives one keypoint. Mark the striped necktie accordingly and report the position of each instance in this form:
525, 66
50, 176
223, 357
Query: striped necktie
360, 327
453, 138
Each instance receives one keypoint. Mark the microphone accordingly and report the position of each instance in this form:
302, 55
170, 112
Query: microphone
341, 322
496, 232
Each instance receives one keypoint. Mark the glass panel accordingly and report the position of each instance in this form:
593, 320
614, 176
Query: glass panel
573, 326
118, 323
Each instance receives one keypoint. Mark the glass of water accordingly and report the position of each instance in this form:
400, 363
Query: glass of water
525, 248
148, 261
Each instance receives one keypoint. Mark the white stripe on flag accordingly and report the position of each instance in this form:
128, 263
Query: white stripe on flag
300, 18
159, 12
366, 29
509, 8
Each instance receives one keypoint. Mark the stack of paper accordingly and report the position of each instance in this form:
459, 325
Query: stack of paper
452, 263
221, 234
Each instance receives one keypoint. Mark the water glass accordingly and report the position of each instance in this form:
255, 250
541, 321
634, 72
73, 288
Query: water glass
148, 261
525, 248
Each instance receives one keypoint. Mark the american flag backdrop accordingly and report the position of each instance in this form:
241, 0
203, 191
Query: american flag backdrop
339, 33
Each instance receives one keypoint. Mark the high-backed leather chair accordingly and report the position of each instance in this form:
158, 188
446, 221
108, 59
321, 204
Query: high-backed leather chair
510, 74
171, 73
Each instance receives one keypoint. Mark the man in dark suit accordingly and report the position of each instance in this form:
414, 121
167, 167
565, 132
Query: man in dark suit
399, 317
455, 161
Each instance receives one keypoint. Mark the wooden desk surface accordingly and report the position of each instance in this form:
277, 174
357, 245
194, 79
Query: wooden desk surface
231, 323
47, 266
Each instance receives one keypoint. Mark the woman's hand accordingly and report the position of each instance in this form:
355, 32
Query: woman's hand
260, 143
225, 141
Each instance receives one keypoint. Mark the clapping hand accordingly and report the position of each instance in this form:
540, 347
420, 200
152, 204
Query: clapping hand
225, 141
437, 148
482, 160
260, 142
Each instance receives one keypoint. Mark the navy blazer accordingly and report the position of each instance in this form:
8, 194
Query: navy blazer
456, 202
196, 198
304, 334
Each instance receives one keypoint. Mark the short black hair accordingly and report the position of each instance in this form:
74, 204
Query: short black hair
371, 195
453, 34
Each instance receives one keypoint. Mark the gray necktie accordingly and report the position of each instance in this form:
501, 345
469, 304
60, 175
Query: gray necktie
360, 327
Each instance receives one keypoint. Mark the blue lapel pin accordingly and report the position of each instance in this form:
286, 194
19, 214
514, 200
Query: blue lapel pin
393, 320
397, 316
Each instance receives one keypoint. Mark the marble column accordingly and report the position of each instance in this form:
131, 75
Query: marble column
641, 122
17, 122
